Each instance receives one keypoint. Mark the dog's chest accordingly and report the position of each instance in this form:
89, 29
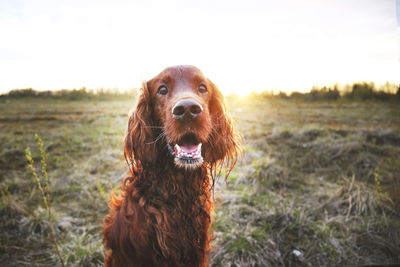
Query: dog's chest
180, 230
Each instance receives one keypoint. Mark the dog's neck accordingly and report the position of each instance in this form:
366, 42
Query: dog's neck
172, 179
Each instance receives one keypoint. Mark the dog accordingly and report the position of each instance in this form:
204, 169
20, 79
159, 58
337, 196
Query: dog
177, 137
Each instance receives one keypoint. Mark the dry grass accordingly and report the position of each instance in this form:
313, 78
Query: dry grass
318, 183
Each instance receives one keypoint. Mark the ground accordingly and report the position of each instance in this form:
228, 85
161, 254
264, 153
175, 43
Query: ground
318, 183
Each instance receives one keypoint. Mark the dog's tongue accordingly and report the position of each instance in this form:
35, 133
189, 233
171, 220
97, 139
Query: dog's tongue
188, 148
188, 151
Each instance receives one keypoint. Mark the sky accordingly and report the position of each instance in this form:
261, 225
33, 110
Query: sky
242, 46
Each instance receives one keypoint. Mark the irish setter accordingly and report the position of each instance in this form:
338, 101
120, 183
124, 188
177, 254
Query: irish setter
177, 137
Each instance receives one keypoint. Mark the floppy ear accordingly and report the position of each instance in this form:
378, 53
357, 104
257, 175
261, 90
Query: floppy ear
223, 142
139, 150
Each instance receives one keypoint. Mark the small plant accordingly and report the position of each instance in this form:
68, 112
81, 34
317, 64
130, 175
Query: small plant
6, 195
102, 191
381, 194
44, 191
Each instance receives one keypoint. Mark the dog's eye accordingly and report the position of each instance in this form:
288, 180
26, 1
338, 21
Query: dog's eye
162, 90
203, 89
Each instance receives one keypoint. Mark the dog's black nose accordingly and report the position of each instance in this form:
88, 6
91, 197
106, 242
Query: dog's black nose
186, 110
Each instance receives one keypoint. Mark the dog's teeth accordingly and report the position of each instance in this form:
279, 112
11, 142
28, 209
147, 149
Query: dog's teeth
177, 148
189, 156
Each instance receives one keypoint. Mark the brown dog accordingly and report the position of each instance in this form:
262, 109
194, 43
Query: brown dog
177, 135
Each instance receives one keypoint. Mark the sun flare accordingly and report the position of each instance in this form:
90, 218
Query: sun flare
242, 47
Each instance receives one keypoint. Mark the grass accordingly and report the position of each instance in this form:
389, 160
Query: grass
318, 183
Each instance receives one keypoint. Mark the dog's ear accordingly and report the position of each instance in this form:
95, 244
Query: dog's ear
223, 141
139, 148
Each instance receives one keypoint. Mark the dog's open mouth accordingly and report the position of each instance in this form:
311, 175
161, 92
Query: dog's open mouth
187, 152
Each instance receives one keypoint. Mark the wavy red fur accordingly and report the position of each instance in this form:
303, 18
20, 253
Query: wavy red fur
162, 216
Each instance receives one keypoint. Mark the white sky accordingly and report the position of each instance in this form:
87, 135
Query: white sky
241, 45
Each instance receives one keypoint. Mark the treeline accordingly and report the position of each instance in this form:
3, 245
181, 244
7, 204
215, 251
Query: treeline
356, 91
74, 94
359, 91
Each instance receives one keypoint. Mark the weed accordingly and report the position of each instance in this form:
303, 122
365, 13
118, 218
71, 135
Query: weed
380, 193
44, 191
5, 194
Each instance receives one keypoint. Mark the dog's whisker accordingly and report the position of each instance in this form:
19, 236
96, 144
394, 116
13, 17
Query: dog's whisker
153, 127
161, 135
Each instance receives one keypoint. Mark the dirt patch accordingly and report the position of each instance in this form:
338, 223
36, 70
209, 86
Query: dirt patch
12, 159
27, 119
383, 138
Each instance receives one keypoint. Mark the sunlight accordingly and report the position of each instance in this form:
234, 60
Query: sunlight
255, 47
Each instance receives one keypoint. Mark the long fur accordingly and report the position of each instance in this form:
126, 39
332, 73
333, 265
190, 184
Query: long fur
162, 216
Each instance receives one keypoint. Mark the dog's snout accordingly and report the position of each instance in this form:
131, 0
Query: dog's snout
186, 110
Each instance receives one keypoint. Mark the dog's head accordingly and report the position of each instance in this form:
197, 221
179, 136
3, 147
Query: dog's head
180, 117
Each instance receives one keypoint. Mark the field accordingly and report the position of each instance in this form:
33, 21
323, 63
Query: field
318, 183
